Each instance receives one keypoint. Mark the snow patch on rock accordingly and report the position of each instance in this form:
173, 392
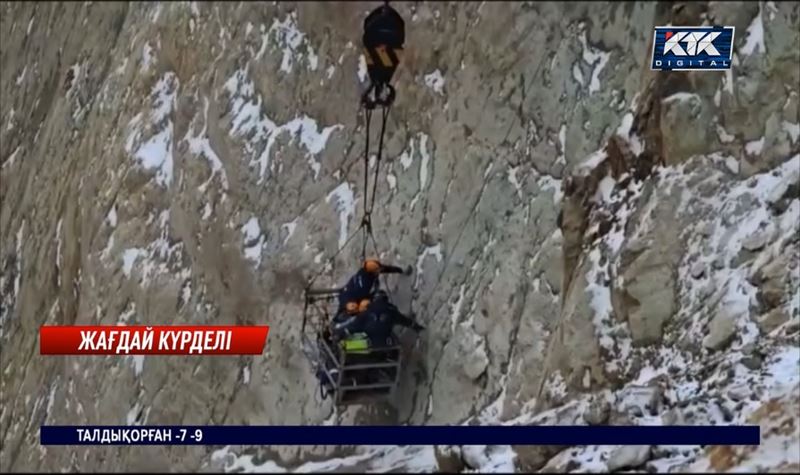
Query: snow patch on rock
249, 121
595, 58
345, 205
155, 153
754, 42
294, 44
253, 240
435, 81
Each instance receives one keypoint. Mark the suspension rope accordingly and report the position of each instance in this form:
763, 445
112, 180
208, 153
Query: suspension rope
366, 220
332, 258
385, 115
368, 114
381, 278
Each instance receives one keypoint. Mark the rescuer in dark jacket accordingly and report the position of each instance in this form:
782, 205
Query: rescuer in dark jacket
361, 285
376, 318
380, 317
351, 321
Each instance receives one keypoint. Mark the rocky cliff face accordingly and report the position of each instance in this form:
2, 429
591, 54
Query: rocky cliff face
593, 242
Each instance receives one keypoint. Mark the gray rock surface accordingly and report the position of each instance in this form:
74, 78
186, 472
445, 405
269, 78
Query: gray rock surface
628, 456
598, 412
721, 329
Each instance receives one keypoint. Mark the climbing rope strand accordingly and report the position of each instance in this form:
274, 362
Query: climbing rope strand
366, 221
368, 116
385, 115
333, 257
381, 278
366, 157
368, 210
366, 216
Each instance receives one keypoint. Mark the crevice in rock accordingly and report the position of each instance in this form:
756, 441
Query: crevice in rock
469, 217
15, 451
524, 290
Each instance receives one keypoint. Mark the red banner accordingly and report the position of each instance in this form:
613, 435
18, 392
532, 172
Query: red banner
157, 340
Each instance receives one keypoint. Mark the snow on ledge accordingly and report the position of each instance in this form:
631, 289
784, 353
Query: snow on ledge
345, 205
435, 81
755, 36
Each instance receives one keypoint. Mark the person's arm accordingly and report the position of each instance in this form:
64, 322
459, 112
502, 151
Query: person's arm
345, 328
390, 269
403, 320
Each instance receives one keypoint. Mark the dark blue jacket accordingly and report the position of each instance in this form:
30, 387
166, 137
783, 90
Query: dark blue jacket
359, 287
379, 319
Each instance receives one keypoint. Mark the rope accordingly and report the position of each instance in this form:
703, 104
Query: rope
381, 277
366, 220
385, 114
366, 217
353, 235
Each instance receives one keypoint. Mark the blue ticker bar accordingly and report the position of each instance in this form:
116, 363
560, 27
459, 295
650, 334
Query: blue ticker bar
400, 435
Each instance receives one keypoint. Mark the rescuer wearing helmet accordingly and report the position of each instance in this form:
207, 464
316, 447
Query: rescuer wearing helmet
363, 282
349, 321
375, 317
379, 318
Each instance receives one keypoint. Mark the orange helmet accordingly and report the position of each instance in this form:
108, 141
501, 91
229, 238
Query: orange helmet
362, 306
351, 307
372, 266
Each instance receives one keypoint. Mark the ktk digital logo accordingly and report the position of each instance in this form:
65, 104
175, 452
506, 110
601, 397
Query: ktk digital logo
700, 48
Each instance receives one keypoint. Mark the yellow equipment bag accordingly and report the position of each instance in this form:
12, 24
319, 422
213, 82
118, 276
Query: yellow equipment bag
357, 343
